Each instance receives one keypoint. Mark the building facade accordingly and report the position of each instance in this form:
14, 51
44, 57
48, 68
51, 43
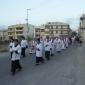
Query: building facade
82, 27
4, 35
39, 31
53, 29
19, 30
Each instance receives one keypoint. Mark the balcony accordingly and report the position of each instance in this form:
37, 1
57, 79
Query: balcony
19, 28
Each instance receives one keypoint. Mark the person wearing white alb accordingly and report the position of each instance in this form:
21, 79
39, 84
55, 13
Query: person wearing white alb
67, 42
52, 47
42, 42
55, 44
47, 47
62, 44
58, 48
16, 53
11, 44
32, 47
24, 45
39, 52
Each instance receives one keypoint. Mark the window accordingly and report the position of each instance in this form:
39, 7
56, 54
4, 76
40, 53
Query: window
61, 32
65, 32
47, 32
37, 35
10, 29
51, 32
42, 30
56, 31
9, 33
19, 32
37, 30
59, 27
50, 27
54, 27
19, 28
64, 26
46, 29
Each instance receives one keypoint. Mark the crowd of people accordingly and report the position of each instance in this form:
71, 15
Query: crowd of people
41, 49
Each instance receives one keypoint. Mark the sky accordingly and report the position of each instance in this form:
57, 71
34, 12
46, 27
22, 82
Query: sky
42, 11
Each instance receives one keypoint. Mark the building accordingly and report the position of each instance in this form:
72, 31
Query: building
57, 29
53, 29
39, 31
19, 30
82, 27
4, 35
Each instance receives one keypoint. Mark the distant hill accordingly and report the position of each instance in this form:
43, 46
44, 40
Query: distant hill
3, 27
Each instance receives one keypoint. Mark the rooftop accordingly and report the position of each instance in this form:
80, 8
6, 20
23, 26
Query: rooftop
57, 23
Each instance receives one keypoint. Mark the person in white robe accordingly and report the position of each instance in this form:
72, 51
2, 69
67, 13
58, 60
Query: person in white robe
16, 49
42, 42
32, 47
47, 47
58, 48
67, 42
11, 44
62, 44
39, 50
53, 47
24, 45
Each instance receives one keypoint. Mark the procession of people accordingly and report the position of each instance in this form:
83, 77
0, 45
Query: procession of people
41, 48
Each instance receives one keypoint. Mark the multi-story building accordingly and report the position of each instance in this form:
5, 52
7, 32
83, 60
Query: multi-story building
82, 27
57, 29
19, 30
39, 31
4, 35
53, 29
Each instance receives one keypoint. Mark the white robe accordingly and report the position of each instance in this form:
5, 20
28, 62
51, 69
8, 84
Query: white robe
58, 48
62, 45
39, 52
24, 43
53, 47
16, 56
66, 41
11, 45
47, 45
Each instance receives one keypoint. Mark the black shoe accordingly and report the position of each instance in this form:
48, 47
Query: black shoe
59, 51
42, 62
13, 73
52, 54
19, 69
37, 64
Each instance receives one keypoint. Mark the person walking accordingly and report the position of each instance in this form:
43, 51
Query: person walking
11, 44
39, 52
47, 47
24, 45
15, 60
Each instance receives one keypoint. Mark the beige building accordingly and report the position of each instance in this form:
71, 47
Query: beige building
39, 31
4, 35
82, 27
19, 30
53, 29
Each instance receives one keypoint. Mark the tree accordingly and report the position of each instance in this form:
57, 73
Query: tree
74, 33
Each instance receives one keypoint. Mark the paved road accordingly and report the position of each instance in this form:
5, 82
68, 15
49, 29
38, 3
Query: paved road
62, 69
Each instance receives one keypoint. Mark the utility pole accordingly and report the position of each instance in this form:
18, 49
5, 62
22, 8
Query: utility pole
27, 19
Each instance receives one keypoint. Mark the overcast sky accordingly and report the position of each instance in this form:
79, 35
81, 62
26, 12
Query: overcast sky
42, 11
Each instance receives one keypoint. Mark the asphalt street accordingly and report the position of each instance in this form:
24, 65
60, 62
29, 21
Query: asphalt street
65, 68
